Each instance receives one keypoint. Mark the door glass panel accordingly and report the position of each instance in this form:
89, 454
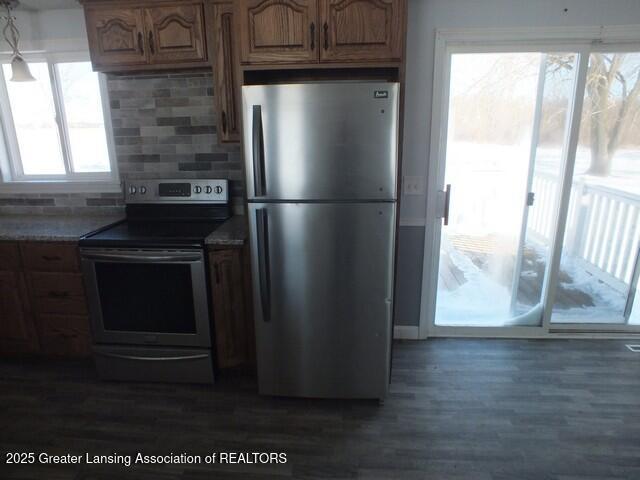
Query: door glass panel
136, 297
492, 260
602, 236
544, 184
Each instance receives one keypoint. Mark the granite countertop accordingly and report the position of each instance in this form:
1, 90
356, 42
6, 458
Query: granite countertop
62, 228
54, 228
232, 232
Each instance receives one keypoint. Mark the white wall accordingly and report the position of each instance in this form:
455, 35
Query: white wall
425, 16
50, 31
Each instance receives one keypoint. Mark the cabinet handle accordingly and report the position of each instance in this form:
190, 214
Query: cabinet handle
216, 268
151, 46
325, 27
312, 28
140, 43
224, 122
51, 258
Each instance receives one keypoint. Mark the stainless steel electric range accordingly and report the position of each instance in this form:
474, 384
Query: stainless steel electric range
147, 283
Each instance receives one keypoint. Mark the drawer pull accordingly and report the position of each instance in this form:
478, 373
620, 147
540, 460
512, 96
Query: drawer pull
51, 258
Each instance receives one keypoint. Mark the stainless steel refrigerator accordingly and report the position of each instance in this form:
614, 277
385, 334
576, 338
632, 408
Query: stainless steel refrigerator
321, 164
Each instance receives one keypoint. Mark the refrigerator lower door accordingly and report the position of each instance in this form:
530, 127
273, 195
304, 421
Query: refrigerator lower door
333, 141
323, 287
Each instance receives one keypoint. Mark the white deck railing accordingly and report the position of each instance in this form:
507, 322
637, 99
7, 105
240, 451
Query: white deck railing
603, 228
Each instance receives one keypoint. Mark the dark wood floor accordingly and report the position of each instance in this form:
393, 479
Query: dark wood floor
458, 409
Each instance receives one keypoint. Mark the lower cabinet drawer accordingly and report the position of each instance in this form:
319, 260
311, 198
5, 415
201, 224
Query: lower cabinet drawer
59, 293
50, 257
66, 335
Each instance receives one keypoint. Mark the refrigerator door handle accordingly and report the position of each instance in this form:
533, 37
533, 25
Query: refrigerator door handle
258, 152
262, 225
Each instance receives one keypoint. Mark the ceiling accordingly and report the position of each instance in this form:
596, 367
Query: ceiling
47, 4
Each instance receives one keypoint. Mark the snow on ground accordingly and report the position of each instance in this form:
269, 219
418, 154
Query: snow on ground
486, 179
481, 301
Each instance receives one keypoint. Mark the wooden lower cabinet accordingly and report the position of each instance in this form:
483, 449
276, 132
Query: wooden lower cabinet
42, 300
232, 319
61, 293
43, 307
17, 332
50, 257
64, 335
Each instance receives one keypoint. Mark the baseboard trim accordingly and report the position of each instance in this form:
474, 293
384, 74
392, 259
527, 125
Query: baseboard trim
404, 332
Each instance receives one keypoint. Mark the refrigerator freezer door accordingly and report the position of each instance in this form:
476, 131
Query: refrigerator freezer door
332, 141
323, 285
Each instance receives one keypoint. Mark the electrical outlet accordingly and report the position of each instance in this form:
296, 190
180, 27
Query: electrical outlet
413, 185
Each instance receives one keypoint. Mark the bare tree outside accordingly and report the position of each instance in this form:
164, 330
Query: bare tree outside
612, 95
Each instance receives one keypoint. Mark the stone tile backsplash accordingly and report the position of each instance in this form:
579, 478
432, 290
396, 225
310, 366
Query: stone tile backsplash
164, 125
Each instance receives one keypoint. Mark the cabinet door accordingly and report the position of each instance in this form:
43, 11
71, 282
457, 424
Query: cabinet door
17, 333
64, 335
361, 30
175, 34
116, 37
229, 308
278, 31
226, 73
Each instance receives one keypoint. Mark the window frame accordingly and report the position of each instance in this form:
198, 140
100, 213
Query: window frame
13, 177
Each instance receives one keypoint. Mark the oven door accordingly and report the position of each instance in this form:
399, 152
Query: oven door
147, 296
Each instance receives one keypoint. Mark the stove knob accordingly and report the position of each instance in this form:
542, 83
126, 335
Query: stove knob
218, 189
143, 190
208, 190
197, 190
132, 190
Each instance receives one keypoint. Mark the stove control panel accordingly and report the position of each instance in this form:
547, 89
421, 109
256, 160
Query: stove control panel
177, 191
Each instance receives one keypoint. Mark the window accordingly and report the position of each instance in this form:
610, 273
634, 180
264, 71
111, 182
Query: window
55, 128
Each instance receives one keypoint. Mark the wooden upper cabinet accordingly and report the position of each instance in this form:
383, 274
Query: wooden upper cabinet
361, 30
116, 36
278, 31
146, 34
226, 74
175, 34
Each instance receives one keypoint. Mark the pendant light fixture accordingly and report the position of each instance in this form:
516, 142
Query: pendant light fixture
19, 68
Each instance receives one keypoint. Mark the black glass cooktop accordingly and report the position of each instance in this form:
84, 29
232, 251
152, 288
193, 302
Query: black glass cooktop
152, 234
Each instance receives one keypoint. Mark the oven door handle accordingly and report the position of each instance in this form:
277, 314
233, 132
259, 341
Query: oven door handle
153, 359
117, 257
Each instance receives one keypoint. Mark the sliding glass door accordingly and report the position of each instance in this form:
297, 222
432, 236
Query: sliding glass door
601, 243
520, 157
507, 116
